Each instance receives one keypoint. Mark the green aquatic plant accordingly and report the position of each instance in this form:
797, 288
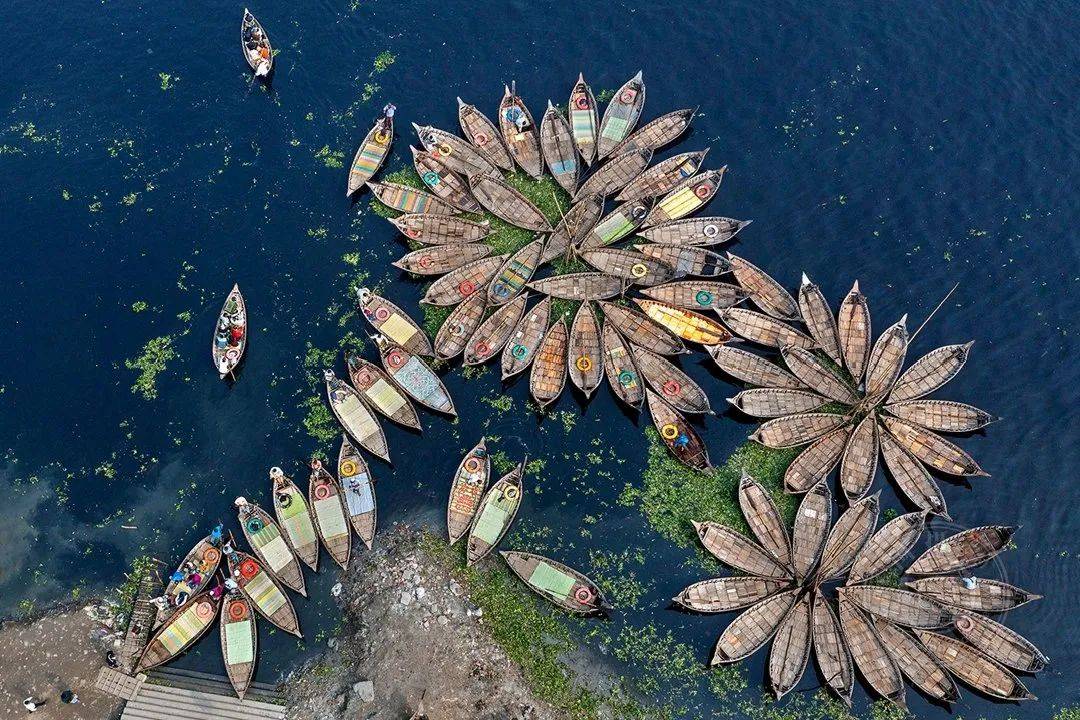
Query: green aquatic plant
382, 62
151, 362
168, 81
139, 306
333, 159
318, 421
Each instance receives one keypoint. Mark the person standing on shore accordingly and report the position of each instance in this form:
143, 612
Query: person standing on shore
31, 704
69, 697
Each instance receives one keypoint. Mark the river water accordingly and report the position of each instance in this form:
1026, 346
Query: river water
906, 146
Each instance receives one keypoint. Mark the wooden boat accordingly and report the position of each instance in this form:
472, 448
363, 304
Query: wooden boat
812, 521
753, 369
505, 202
483, 134
673, 384
459, 284
621, 115
621, 369
677, 434
441, 259
379, 393
560, 153
684, 323
697, 294
294, 518
942, 415
467, 490
657, 133
916, 663
459, 155
886, 359
548, 375
359, 488
817, 375
327, 502
255, 44
443, 182
932, 449
641, 331
393, 322
579, 286
776, 402
765, 292
349, 409
763, 329
585, 351
520, 349
265, 538
662, 177
617, 224
695, 231
687, 259
493, 333
633, 267
201, 562
764, 520
986, 596
440, 229
687, 197
371, 154
498, 508
870, 654
847, 536
930, 372
558, 583
817, 460
740, 552
414, 377
230, 334
615, 174
518, 270
911, 476
583, 119
963, 550
239, 640
180, 631
858, 465
791, 648
728, 593
459, 326
753, 628
519, 132
263, 590
819, 319
1000, 643
410, 200
833, 656
973, 668
853, 330
902, 607
572, 228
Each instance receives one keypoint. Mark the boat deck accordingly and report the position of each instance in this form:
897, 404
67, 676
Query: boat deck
171, 693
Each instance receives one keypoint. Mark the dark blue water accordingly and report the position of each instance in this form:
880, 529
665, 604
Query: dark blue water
910, 147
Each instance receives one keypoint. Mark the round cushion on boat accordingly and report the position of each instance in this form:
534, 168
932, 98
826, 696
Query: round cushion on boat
211, 556
249, 568
362, 378
500, 289
711, 230
583, 594
473, 464
627, 96
412, 232
466, 287
512, 113
703, 297
963, 623
638, 270
671, 387
381, 314
638, 211
669, 432
254, 524
584, 364
626, 378
395, 359
511, 493
237, 610
431, 178
458, 328
283, 499
233, 354
481, 139
382, 137
446, 149
321, 491
347, 468
205, 609
582, 102
481, 349
703, 190
425, 261
519, 351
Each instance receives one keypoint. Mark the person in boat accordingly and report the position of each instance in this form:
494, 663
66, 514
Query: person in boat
236, 334
388, 115
217, 591
231, 585
216, 534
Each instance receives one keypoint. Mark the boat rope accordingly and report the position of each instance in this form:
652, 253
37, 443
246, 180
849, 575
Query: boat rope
943, 301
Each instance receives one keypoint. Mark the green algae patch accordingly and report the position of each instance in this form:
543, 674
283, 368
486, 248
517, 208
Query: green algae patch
333, 159
151, 362
318, 421
672, 495
382, 62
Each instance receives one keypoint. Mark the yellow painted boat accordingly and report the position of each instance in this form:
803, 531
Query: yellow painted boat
684, 323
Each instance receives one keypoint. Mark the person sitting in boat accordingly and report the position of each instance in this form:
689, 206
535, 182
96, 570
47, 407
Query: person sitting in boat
231, 585
217, 591
236, 334
216, 534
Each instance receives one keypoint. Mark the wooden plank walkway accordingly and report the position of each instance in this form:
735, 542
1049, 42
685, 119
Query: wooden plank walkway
217, 684
162, 702
118, 684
